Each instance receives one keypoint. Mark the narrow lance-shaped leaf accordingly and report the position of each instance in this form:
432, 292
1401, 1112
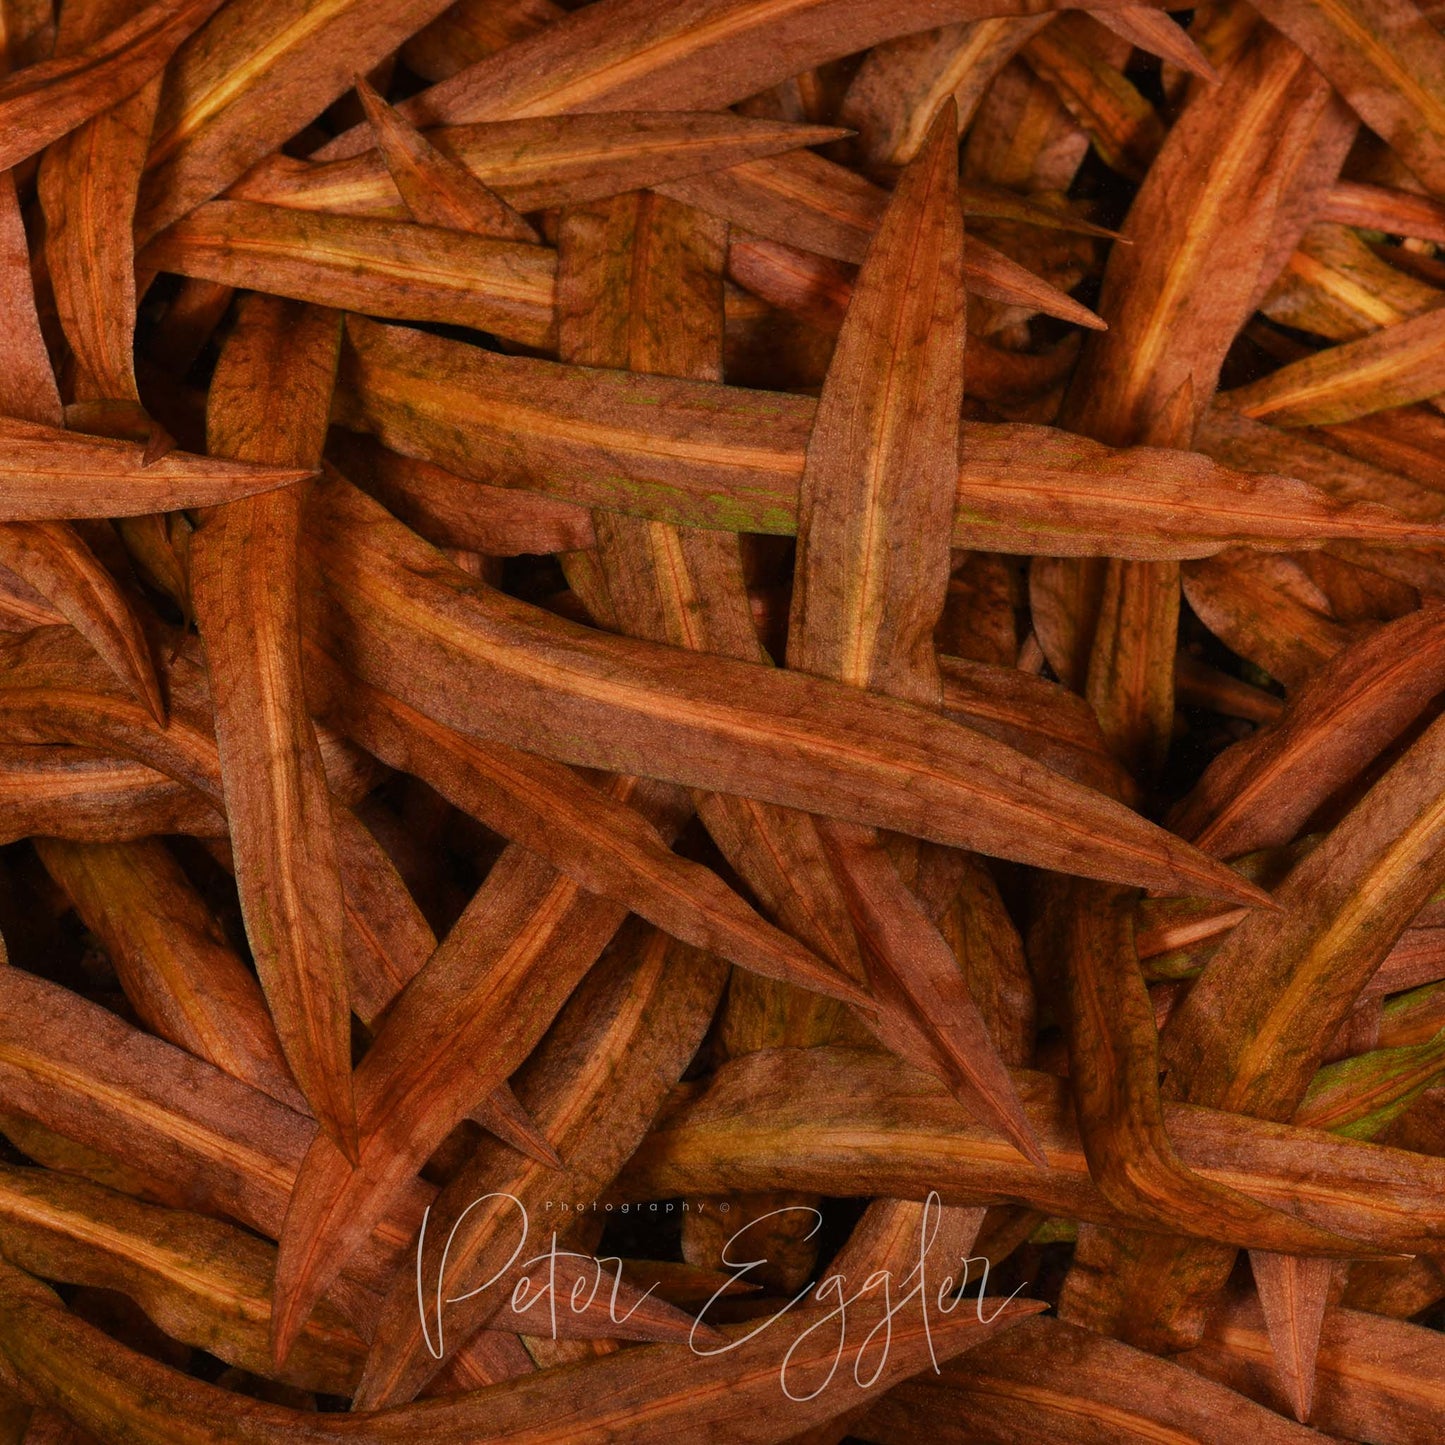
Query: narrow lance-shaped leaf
687, 717
269, 401
1296, 1295
49, 474
603, 844
856, 1122
542, 161
44, 101
732, 458
1114, 1075
872, 568
651, 1393
203, 1281
389, 268
179, 975
251, 79
1048, 1380
633, 1025
87, 187
55, 560
1260, 792
437, 190
1391, 367
701, 56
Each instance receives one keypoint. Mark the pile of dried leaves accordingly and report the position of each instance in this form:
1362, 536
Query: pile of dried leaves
689, 623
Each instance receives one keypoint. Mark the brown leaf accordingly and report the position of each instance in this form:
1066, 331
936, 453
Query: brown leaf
55, 560
1260, 792
1053, 1381
651, 1393
49, 474
414, 273
437, 190
697, 743
598, 841
269, 401
180, 977
45, 101
250, 80
595, 1083
1293, 1293
702, 455
855, 1122
541, 162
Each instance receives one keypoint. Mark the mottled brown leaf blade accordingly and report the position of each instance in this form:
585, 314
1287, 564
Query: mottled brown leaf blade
636, 54
732, 458
47, 473
1114, 1076
180, 977
1284, 989
857, 1122
1381, 208
1388, 60
55, 560
1267, 610
204, 1282
1158, 33
1260, 792
688, 717
64, 791
1124, 127
437, 190
225, 1147
388, 268
1053, 1381
542, 161
600, 842
912, 968
1293, 1293
596, 1082
87, 184
872, 571
877, 491
901, 83
651, 1394
1376, 1378
1391, 367
269, 401
1167, 327
1174, 299
254, 77
43, 102
461, 1027
29, 384
450, 511
802, 200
